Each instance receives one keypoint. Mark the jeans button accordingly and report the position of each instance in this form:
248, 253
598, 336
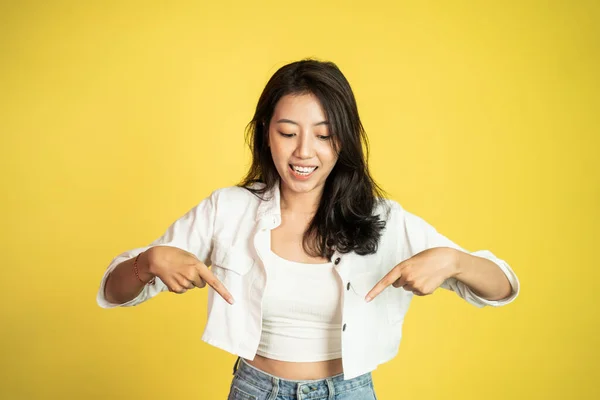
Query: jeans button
305, 389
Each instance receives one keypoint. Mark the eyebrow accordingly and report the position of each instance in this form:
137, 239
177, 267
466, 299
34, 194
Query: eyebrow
289, 121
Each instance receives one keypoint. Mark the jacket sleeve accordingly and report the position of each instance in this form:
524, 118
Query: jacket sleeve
192, 232
421, 236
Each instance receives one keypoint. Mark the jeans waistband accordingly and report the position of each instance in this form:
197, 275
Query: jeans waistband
267, 382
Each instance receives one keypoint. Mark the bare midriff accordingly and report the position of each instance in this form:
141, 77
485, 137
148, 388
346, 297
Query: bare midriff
297, 371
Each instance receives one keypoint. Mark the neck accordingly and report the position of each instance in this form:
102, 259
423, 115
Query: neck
301, 203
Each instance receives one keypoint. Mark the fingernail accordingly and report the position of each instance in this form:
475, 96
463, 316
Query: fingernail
368, 299
230, 300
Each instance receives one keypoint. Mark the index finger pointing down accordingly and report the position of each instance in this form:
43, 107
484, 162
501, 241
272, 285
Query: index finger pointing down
216, 284
386, 281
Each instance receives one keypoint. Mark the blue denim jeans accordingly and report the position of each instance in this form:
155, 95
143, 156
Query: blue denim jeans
250, 383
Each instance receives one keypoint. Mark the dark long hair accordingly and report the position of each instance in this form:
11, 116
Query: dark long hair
344, 219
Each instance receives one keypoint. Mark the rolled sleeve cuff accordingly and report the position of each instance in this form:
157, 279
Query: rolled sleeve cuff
508, 272
148, 291
465, 292
101, 298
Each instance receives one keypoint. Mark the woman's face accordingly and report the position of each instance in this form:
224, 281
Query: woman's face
300, 142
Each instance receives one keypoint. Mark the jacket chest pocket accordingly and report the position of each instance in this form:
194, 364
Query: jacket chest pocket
391, 303
363, 282
230, 265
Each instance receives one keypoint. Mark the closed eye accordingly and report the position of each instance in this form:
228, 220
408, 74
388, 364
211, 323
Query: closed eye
322, 137
287, 135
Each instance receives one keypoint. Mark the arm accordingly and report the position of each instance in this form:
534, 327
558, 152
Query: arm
192, 233
478, 275
121, 285
481, 275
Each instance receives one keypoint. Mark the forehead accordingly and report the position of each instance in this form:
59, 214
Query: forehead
300, 108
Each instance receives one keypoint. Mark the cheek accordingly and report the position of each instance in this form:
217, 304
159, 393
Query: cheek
278, 152
328, 156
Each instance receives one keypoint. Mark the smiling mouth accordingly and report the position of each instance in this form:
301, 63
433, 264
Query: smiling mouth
302, 171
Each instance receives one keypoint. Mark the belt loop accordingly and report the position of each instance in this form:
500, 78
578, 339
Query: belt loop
235, 366
275, 391
331, 389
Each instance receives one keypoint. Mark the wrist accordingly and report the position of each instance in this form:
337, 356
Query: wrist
454, 256
143, 266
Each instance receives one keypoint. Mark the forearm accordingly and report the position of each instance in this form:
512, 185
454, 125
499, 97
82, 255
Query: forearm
483, 276
122, 285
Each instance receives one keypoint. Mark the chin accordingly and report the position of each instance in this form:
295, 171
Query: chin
300, 187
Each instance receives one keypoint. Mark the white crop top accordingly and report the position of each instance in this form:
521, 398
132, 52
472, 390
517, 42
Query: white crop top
302, 312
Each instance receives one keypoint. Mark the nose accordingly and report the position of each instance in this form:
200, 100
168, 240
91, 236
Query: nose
305, 149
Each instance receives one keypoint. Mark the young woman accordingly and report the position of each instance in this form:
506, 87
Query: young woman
311, 269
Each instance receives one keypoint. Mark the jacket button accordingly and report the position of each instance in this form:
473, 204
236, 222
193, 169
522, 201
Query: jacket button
348, 286
337, 261
344, 327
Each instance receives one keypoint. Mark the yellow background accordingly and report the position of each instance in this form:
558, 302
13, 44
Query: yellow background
117, 117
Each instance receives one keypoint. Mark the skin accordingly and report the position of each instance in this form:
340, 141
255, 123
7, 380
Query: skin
299, 135
424, 272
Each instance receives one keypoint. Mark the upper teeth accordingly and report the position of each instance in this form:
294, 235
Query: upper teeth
304, 170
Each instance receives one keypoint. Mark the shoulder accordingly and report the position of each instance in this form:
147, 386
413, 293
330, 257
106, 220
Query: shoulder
232, 195
388, 209
397, 217
394, 211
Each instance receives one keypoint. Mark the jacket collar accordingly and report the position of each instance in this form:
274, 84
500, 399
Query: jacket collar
270, 207
268, 214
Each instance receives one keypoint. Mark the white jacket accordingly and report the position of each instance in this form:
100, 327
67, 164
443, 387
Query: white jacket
230, 230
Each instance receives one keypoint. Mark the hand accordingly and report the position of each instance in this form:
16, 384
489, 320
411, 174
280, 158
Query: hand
421, 274
181, 270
